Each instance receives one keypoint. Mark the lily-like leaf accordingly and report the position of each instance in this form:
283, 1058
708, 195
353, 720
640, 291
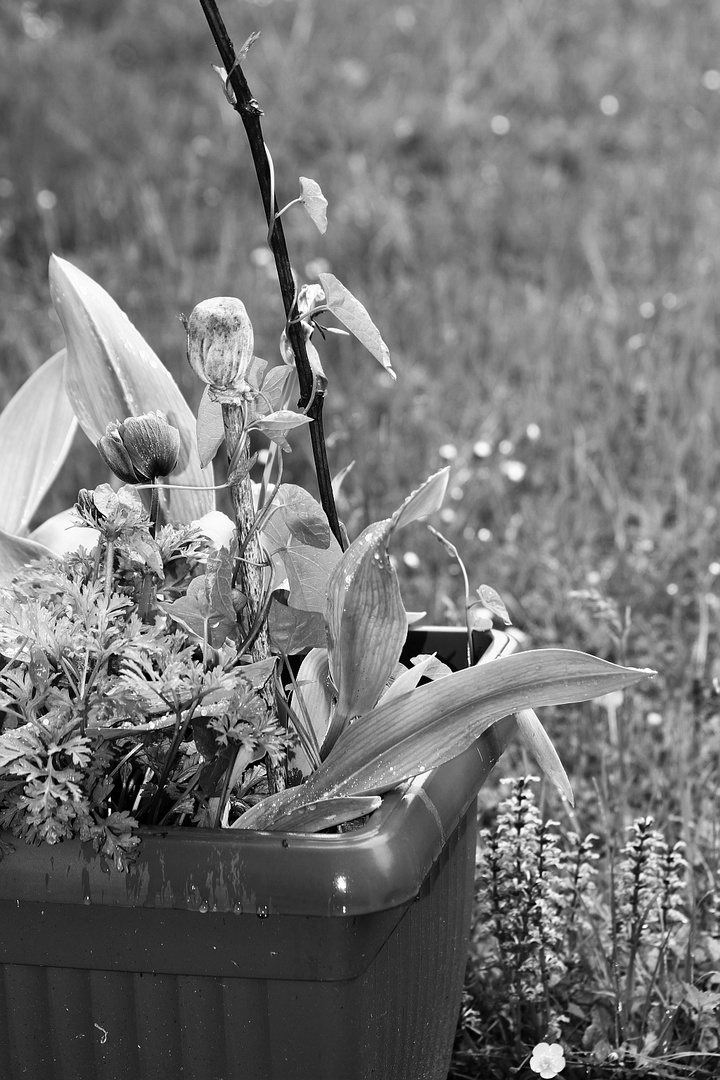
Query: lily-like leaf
539, 743
428, 667
314, 687
366, 624
61, 533
352, 314
16, 552
36, 431
424, 500
112, 373
436, 722
313, 817
365, 616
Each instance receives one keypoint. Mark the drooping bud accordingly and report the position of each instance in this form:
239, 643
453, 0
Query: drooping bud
220, 341
141, 448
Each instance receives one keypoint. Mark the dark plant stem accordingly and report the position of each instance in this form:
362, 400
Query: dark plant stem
250, 112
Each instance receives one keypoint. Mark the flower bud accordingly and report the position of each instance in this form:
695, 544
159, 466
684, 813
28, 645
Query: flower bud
141, 448
220, 341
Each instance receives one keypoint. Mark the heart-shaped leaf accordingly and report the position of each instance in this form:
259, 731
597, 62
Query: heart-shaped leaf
112, 373
315, 203
277, 424
295, 519
36, 431
209, 428
354, 316
293, 631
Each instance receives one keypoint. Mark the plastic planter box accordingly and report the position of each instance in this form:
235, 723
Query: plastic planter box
250, 956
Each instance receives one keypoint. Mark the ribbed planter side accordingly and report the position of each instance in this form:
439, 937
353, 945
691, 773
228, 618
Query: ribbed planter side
248, 956
395, 1021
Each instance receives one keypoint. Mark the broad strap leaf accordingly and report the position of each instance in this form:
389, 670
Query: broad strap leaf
37, 427
16, 552
313, 817
112, 373
436, 722
424, 500
538, 742
61, 533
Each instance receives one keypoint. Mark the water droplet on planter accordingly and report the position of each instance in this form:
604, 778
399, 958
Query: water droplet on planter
87, 901
204, 908
262, 912
238, 910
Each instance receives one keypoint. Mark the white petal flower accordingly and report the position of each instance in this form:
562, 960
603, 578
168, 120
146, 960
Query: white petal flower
548, 1059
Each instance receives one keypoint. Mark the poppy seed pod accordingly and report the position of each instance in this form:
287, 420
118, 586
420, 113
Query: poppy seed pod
141, 448
220, 341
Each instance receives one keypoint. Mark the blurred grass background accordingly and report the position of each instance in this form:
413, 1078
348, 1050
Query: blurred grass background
524, 193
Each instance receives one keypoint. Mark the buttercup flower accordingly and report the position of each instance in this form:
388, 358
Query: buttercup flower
141, 448
548, 1059
220, 341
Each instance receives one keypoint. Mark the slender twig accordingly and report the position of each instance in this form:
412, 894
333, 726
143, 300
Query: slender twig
250, 112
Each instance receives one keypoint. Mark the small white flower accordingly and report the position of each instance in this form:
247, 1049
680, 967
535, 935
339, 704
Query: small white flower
547, 1059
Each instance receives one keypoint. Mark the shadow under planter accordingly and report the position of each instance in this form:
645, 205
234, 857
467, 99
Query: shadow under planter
227, 955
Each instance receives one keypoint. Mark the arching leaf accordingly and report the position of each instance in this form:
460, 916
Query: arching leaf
112, 373
36, 431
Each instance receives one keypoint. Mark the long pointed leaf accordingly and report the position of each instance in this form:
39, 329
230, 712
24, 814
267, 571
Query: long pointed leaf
36, 430
538, 742
436, 722
313, 817
16, 552
61, 533
439, 720
112, 373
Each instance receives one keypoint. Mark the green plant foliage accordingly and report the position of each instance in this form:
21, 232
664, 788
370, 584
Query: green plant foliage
582, 942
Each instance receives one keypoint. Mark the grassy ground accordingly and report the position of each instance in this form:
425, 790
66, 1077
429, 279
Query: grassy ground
525, 195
